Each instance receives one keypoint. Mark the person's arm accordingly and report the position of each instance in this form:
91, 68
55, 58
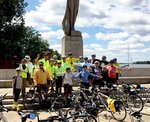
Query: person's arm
48, 76
35, 79
78, 75
96, 76
13, 82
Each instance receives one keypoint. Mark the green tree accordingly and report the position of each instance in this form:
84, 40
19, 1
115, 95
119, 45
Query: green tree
15, 38
11, 25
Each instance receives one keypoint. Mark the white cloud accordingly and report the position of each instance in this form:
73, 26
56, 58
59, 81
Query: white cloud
131, 17
52, 35
85, 36
111, 36
56, 47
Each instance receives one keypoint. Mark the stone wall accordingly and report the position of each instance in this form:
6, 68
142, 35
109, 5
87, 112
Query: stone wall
139, 72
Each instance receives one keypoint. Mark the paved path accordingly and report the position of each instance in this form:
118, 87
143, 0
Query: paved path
12, 116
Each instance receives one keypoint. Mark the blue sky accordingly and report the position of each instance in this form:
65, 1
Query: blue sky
108, 27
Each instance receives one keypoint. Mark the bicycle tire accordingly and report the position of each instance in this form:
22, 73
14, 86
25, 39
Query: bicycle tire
55, 119
84, 118
135, 102
121, 113
31, 103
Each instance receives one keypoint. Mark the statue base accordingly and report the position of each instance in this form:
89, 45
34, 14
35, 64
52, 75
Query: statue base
72, 44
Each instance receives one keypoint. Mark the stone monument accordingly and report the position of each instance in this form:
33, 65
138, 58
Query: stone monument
72, 40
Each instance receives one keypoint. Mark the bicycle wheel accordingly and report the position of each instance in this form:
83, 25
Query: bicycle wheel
135, 102
31, 101
83, 118
120, 113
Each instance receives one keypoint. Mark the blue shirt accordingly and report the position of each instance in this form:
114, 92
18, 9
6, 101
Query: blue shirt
83, 75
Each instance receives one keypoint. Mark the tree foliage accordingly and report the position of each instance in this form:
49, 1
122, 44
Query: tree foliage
15, 38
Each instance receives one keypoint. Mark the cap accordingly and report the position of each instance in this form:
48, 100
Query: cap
103, 56
86, 58
63, 57
84, 66
27, 57
59, 62
80, 57
18, 69
96, 62
51, 59
115, 59
68, 68
46, 53
41, 63
111, 61
55, 56
93, 55
69, 53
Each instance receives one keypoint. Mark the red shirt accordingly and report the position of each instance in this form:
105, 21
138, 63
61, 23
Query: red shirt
111, 72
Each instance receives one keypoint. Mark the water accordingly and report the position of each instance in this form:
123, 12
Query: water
138, 65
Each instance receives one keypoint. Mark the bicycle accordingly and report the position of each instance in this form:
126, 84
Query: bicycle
61, 117
135, 116
33, 99
128, 95
117, 109
79, 113
2, 108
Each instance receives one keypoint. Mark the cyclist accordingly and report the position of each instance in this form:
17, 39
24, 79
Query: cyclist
40, 79
16, 85
111, 74
59, 73
84, 77
24, 71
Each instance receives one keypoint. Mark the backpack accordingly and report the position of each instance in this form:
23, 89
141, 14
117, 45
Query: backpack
113, 104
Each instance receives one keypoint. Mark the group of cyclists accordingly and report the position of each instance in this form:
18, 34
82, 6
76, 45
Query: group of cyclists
48, 72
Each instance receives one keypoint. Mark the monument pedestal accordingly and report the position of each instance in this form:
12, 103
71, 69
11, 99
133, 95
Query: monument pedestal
72, 44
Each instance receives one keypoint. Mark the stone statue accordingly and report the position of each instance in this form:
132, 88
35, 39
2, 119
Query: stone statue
70, 18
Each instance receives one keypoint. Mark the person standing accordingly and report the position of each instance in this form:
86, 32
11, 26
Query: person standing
98, 71
111, 74
16, 85
30, 68
24, 71
84, 77
40, 79
118, 72
67, 80
93, 58
46, 59
59, 79
52, 72
71, 60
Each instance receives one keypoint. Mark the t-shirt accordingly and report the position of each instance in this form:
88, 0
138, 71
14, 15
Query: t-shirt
18, 82
68, 78
111, 71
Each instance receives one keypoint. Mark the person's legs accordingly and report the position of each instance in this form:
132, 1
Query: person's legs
65, 89
59, 83
69, 90
16, 98
23, 90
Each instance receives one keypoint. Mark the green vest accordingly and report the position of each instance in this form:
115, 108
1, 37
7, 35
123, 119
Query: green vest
51, 70
59, 71
23, 71
46, 63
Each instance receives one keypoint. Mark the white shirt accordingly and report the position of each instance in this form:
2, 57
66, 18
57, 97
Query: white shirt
68, 78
